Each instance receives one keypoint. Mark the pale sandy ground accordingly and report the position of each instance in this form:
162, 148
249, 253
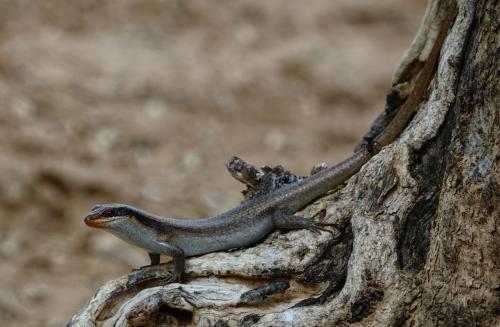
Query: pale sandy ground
143, 101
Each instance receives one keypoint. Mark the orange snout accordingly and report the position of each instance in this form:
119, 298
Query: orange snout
96, 221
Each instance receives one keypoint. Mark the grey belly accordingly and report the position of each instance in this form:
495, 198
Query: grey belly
232, 238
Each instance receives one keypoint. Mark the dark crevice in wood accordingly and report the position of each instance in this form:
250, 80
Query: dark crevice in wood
365, 302
427, 166
261, 293
168, 316
400, 317
249, 320
331, 267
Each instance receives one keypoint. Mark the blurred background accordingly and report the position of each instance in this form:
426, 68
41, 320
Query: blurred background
143, 101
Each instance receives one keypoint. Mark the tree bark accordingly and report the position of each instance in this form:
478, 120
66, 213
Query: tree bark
419, 223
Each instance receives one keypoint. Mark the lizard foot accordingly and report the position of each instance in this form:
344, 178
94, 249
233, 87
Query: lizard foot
286, 221
318, 227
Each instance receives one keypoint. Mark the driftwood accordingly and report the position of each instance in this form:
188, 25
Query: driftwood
417, 239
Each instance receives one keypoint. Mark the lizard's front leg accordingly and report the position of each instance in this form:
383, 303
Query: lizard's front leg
178, 257
284, 220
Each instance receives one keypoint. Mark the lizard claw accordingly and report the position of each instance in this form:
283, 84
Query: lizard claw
319, 226
176, 277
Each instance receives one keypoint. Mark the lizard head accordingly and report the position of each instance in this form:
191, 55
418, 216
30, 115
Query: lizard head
106, 215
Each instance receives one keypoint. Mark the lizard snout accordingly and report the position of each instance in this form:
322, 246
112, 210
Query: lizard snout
96, 221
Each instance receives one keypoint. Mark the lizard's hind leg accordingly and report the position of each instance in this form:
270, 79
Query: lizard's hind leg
283, 220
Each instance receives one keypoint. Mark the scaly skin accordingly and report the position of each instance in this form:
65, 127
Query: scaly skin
179, 238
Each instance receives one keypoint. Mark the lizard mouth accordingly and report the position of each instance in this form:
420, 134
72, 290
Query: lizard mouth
99, 222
